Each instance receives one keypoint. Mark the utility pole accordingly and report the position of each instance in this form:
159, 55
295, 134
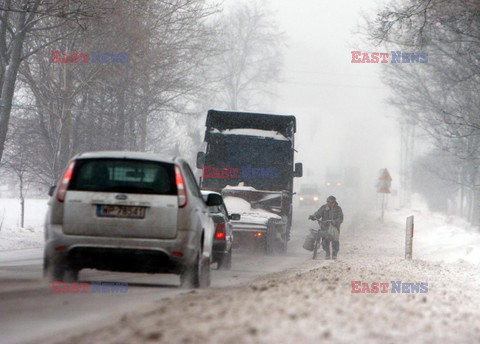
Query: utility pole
407, 148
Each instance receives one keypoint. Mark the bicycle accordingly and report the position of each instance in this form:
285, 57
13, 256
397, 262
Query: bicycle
318, 235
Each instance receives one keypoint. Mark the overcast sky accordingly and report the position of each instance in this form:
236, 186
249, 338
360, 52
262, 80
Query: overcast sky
343, 118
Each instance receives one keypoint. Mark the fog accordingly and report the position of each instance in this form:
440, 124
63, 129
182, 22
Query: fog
343, 118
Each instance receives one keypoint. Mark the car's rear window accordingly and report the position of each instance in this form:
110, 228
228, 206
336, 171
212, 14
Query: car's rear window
124, 175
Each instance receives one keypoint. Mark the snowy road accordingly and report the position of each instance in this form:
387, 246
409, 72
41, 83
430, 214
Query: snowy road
31, 313
288, 299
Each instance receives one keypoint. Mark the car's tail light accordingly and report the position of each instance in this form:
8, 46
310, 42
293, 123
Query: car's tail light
220, 231
181, 192
67, 176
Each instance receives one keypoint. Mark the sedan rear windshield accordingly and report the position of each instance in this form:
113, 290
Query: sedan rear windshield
124, 175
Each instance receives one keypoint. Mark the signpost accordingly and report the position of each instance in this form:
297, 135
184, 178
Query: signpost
383, 186
409, 238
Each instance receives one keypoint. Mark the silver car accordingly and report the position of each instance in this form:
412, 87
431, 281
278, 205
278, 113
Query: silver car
132, 212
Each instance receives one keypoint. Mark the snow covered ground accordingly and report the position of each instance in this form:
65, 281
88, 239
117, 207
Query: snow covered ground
12, 236
314, 302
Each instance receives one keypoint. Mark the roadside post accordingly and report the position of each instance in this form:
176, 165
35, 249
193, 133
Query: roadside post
409, 238
383, 186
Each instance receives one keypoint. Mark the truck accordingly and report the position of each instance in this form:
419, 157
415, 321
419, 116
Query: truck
249, 158
342, 182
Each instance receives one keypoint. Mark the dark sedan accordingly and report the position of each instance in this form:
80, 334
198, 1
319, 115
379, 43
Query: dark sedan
223, 237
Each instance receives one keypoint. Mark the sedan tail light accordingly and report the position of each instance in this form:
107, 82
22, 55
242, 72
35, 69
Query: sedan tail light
67, 176
181, 192
220, 233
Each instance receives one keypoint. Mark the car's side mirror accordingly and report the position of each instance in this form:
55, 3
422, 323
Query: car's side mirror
51, 190
234, 217
214, 199
298, 170
200, 160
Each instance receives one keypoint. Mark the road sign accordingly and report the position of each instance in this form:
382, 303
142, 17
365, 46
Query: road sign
383, 186
384, 181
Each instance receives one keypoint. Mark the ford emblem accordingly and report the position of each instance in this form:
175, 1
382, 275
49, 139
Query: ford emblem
121, 197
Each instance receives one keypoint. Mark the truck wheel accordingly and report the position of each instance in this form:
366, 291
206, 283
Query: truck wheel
270, 244
283, 247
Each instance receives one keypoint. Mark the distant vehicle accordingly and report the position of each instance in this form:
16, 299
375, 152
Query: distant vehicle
308, 195
223, 237
132, 212
334, 178
254, 150
342, 182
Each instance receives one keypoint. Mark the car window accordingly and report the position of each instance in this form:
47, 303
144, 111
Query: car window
191, 183
224, 210
124, 175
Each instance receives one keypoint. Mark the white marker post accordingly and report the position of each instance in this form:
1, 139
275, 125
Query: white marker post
409, 238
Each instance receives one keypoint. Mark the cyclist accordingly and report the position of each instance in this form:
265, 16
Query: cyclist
330, 211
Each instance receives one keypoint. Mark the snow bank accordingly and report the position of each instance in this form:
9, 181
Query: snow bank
314, 303
438, 237
12, 236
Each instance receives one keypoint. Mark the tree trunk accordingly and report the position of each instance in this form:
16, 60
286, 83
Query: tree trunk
10, 77
22, 203
66, 117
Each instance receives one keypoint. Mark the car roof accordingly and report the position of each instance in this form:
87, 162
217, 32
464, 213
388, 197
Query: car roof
127, 155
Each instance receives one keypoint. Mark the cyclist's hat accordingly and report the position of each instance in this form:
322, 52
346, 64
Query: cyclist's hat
331, 198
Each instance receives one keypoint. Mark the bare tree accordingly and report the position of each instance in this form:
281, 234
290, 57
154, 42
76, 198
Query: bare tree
17, 162
251, 58
74, 107
440, 96
19, 20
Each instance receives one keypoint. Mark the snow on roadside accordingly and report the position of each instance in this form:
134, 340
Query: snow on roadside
314, 302
12, 236
439, 237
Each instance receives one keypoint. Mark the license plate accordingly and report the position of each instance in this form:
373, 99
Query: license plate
120, 211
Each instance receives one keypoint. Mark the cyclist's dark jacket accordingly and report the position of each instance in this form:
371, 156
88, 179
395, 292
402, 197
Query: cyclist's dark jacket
335, 214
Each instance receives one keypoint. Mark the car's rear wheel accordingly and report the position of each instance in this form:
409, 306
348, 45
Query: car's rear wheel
225, 263
51, 271
59, 271
70, 275
198, 274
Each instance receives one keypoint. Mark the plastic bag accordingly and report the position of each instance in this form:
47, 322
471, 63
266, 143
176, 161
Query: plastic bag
333, 233
309, 242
